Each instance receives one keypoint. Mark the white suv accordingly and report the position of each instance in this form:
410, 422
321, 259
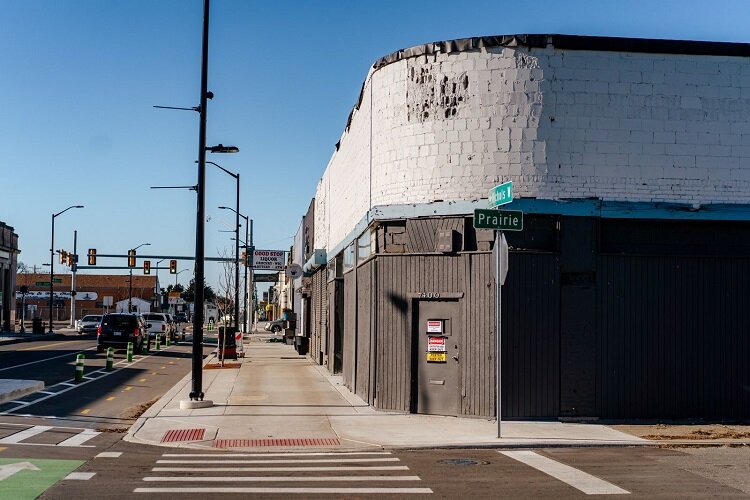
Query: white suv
158, 325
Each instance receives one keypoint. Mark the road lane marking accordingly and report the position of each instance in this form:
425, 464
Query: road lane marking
110, 398
80, 438
73, 386
47, 346
3, 449
590, 485
300, 454
80, 476
45, 359
305, 491
84, 412
271, 479
162, 368
46, 392
282, 469
109, 454
20, 402
25, 434
282, 461
142, 380
127, 388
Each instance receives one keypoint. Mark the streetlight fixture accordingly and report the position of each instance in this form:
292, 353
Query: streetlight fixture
236, 246
52, 263
130, 281
247, 245
196, 394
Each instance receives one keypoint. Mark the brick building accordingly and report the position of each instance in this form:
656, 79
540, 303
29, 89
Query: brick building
627, 287
8, 262
90, 292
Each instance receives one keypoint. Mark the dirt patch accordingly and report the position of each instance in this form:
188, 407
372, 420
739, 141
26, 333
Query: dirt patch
226, 365
140, 409
114, 430
698, 432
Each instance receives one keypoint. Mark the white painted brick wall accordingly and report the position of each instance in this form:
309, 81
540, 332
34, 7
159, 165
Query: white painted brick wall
559, 124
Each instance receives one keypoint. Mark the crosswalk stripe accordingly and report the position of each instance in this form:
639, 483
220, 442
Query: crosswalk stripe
270, 479
307, 491
590, 485
79, 438
25, 434
282, 461
250, 455
281, 469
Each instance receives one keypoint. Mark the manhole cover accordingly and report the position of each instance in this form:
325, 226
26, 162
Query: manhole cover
462, 461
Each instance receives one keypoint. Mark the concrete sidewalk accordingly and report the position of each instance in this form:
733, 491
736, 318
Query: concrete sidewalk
277, 400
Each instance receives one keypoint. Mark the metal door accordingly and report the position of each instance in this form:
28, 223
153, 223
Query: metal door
437, 340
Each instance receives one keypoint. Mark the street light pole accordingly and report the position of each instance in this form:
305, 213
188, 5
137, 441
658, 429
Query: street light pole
196, 394
52, 264
130, 281
236, 246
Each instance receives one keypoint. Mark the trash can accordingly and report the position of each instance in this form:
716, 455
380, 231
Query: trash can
37, 326
230, 347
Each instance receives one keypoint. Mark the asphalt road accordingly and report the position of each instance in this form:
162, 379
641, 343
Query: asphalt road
68, 444
129, 470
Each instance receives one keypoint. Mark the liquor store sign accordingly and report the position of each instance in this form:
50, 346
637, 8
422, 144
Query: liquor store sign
270, 260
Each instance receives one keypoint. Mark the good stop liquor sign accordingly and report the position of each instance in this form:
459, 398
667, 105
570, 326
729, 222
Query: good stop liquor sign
269, 260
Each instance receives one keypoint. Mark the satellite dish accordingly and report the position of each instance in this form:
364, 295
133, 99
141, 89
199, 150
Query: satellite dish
294, 271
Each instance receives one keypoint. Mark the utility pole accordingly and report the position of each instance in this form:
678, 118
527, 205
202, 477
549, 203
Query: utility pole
73, 269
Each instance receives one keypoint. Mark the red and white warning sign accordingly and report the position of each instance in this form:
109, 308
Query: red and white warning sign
435, 344
434, 326
238, 342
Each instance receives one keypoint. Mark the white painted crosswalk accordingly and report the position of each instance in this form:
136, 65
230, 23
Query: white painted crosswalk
583, 481
62, 436
335, 473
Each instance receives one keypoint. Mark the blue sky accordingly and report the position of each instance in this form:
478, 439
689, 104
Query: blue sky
78, 80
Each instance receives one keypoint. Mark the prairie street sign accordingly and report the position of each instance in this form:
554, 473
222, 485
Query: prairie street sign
500, 220
502, 194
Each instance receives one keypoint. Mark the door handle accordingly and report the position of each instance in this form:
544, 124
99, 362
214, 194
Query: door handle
455, 358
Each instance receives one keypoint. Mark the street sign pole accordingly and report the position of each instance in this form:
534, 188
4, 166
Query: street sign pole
498, 374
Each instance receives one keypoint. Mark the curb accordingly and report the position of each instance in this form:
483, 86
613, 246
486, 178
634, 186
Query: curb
157, 407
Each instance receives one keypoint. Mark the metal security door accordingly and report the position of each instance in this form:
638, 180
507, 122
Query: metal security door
437, 357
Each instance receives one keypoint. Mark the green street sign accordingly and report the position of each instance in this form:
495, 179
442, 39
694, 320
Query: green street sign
501, 220
56, 280
42, 283
502, 194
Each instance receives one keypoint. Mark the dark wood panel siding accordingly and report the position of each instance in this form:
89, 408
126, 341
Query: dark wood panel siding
531, 336
478, 367
674, 337
364, 344
350, 329
421, 234
399, 279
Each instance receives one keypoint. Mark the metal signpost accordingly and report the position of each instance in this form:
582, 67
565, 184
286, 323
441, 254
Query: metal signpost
499, 221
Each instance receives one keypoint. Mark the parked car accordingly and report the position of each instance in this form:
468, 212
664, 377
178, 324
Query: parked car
88, 324
180, 317
117, 329
159, 325
275, 326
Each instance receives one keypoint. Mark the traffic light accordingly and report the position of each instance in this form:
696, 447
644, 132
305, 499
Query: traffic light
244, 258
92, 256
172, 267
131, 258
146, 267
63, 257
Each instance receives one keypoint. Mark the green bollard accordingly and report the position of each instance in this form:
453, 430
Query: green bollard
110, 359
158, 342
167, 344
79, 368
130, 352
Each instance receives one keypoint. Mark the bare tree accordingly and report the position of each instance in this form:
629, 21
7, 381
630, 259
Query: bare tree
225, 292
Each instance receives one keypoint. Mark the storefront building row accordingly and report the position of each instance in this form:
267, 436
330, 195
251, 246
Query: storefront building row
8, 261
624, 299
